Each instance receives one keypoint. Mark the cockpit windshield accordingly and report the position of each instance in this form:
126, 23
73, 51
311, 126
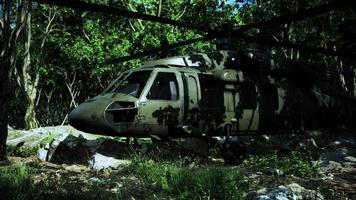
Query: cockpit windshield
131, 83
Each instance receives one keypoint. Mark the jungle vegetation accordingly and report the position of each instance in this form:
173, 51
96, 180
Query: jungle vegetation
53, 58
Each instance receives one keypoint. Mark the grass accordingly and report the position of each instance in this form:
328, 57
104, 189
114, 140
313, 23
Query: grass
295, 163
21, 151
150, 180
148, 177
14, 181
173, 180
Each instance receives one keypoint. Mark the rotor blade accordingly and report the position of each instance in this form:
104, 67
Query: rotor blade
311, 12
273, 43
75, 4
157, 50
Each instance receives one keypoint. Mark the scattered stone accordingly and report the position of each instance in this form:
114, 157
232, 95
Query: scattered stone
303, 193
76, 168
277, 194
99, 161
113, 185
290, 192
331, 166
343, 141
337, 156
43, 152
350, 159
308, 144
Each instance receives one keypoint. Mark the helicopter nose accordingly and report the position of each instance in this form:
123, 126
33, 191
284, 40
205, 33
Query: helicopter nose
89, 116
77, 116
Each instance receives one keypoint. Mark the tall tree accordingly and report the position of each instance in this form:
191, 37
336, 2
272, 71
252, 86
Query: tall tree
12, 24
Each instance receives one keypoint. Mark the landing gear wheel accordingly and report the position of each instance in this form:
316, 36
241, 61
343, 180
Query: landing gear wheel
233, 152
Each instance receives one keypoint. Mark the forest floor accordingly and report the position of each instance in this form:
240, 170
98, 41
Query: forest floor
169, 171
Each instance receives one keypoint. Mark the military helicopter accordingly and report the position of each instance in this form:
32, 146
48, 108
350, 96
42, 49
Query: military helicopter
223, 93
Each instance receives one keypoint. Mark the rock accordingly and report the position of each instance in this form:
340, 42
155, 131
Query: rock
46, 152
303, 193
72, 150
337, 156
99, 161
350, 159
336, 159
340, 160
9, 128
44, 135
343, 141
277, 194
76, 168
114, 185
43, 152
97, 153
308, 144
290, 192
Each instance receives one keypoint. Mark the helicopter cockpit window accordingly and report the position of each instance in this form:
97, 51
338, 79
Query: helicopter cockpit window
131, 83
164, 87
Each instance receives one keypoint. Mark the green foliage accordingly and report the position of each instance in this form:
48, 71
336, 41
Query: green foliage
22, 151
15, 181
48, 139
174, 180
294, 164
71, 45
155, 179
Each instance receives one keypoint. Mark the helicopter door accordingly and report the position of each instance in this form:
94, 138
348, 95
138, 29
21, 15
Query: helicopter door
247, 108
268, 105
161, 105
192, 91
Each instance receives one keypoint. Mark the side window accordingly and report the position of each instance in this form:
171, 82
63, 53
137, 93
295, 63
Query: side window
164, 87
248, 95
212, 94
193, 90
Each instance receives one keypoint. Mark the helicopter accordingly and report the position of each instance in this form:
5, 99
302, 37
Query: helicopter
225, 93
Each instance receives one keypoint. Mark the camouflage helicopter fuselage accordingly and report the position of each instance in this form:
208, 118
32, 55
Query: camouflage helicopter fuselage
206, 94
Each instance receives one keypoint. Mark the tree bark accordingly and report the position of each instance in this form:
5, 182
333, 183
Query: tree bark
7, 61
30, 82
4, 98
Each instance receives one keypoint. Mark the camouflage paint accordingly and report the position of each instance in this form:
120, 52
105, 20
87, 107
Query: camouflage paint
280, 105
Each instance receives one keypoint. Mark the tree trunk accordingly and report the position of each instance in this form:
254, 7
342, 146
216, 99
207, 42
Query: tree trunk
4, 98
30, 83
7, 61
4, 71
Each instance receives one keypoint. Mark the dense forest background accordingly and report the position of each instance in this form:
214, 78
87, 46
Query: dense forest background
61, 54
